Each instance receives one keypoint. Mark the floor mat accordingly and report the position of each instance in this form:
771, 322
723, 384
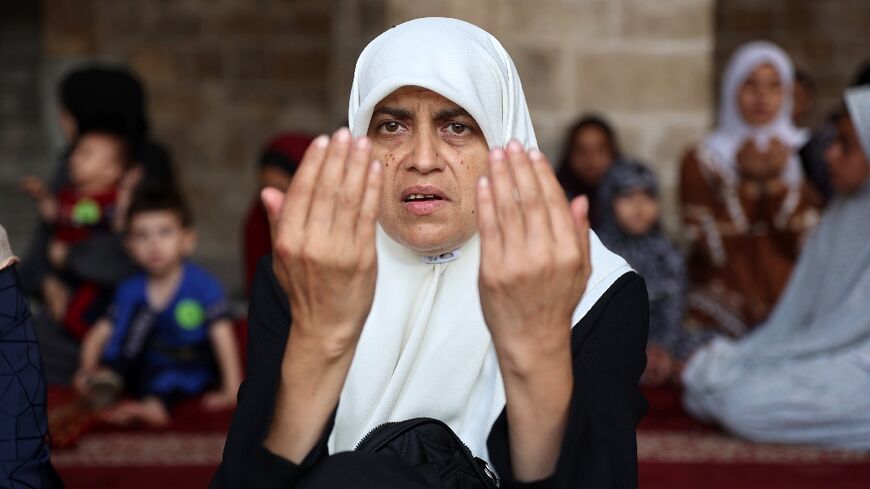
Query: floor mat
675, 452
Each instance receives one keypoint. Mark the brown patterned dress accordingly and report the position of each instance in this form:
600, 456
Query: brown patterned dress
744, 240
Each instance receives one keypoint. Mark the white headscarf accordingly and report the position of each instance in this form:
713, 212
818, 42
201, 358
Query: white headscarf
858, 101
733, 130
425, 350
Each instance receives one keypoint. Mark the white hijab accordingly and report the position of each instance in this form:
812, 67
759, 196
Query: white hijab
733, 130
858, 101
425, 350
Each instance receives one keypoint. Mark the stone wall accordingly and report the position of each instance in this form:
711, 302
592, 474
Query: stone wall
22, 147
829, 39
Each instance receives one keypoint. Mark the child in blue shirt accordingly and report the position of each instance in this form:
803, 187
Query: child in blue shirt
168, 335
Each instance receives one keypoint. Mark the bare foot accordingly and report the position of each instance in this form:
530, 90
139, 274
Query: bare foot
149, 412
218, 401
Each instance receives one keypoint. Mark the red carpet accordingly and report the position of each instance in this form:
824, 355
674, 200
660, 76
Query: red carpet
675, 453
184, 455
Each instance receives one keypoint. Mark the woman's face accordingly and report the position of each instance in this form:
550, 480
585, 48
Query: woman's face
846, 159
433, 153
761, 96
591, 154
636, 212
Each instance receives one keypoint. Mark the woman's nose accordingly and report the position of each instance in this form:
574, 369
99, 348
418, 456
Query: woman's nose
424, 157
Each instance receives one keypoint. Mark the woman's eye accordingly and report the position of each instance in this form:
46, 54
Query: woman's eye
457, 128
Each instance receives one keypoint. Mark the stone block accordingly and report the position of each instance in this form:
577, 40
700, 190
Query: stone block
666, 19
643, 81
581, 19
541, 70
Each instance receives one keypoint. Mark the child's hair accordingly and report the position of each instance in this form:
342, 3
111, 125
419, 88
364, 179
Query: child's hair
126, 148
152, 198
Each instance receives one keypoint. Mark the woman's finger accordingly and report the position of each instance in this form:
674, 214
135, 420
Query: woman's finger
530, 193
491, 243
580, 213
370, 204
273, 201
561, 222
350, 196
297, 202
320, 218
510, 218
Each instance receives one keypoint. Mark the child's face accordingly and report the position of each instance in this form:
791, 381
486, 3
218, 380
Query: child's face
158, 242
636, 212
591, 155
96, 162
761, 96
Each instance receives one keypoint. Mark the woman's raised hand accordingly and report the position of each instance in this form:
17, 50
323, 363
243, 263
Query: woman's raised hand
534, 264
323, 237
534, 256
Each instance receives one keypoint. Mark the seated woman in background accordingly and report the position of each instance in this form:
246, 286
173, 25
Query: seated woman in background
589, 150
629, 224
275, 168
804, 375
746, 206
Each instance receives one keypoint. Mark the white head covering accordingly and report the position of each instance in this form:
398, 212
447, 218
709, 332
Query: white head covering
425, 349
733, 130
858, 101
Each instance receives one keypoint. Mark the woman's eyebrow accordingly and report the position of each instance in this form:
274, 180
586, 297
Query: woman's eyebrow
451, 113
396, 112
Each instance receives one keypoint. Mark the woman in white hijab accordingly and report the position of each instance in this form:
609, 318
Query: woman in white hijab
434, 269
804, 375
745, 204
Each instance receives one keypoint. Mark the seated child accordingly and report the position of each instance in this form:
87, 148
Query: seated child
168, 335
87, 205
629, 225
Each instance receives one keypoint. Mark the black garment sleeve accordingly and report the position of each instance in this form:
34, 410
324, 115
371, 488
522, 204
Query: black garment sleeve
246, 462
100, 259
599, 449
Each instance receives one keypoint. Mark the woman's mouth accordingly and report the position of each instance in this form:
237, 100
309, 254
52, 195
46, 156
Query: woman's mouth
423, 200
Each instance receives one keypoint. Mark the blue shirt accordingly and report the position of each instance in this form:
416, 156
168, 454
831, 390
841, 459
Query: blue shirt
169, 346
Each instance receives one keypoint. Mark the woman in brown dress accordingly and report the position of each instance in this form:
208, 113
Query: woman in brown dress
746, 207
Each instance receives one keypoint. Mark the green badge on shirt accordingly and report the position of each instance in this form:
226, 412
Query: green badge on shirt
189, 314
86, 212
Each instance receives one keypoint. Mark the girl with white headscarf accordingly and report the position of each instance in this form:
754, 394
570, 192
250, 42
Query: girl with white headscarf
803, 376
745, 204
426, 348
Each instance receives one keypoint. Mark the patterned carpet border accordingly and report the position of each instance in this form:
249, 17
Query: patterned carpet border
683, 447
141, 449
197, 449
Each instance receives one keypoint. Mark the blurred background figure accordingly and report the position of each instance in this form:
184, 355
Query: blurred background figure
803, 376
803, 112
169, 336
93, 181
746, 206
88, 204
589, 149
275, 168
629, 224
